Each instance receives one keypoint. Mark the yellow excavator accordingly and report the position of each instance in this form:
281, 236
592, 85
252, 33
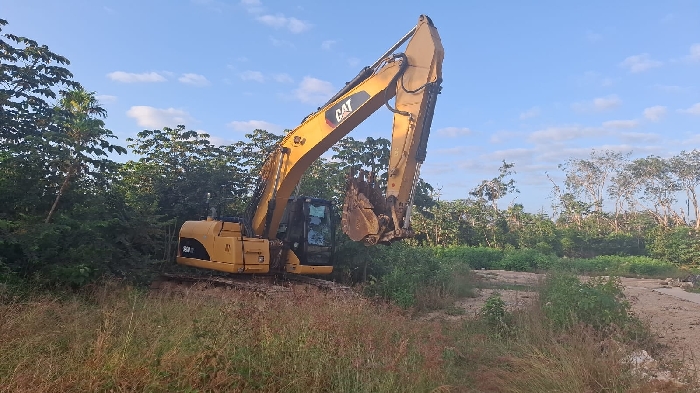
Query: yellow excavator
281, 233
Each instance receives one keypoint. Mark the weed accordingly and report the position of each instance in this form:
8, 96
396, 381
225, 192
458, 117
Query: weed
494, 313
599, 302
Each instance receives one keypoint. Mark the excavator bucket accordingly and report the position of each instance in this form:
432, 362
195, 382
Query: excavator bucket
359, 220
366, 217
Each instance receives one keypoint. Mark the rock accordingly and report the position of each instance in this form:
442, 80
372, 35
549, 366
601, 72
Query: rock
641, 359
686, 285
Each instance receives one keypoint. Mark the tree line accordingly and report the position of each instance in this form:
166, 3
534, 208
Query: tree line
69, 213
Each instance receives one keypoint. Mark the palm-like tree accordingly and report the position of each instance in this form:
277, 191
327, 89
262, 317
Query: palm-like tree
83, 137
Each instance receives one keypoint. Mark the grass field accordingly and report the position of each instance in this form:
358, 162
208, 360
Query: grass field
122, 339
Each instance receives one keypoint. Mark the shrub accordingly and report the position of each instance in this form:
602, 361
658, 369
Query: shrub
599, 302
495, 315
475, 257
526, 260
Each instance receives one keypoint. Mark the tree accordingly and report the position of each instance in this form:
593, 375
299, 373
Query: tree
496, 188
30, 78
588, 178
178, 167
82, 140
657, 185
685, 167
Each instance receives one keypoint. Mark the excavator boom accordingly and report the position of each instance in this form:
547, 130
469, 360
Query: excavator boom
414, 78
282, 234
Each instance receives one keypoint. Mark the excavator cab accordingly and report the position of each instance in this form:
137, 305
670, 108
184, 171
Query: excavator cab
308, 230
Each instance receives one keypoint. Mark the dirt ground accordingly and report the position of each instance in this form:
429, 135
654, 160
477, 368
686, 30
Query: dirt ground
672, 313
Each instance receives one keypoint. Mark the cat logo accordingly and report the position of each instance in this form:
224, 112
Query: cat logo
343, 109
343, 112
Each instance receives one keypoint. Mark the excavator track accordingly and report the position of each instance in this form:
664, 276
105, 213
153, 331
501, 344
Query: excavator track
267, 285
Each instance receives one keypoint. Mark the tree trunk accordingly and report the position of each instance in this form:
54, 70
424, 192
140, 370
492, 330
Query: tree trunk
62, 190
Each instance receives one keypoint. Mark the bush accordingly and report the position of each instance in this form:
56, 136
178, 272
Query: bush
475, 257
400, 270
526, 260
617, 265
417, 276
495, 315
599, 302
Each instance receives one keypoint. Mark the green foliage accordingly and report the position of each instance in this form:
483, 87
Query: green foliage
398, 271
527, 260
679, 245
475, 257
498, 319
177, 168
617, 265
598, 302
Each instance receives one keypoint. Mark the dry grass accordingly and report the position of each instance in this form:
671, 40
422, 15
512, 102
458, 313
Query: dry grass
121, 339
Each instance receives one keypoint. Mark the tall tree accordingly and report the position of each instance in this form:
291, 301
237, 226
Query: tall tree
588, 178
30, 77
83, 140
177, 168
498, 187
657, 186
685, 167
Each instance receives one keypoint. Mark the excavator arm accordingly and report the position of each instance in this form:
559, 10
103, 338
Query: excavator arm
413, 78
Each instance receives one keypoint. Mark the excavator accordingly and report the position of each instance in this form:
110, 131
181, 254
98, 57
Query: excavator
282, 233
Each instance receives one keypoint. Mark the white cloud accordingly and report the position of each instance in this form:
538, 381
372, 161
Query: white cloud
530, 113
277, 42
450, 151
518, 154
563, 133
502, 136
639, 63
590, 78
106, 98
297, 26
148, 116
639, 137
278, 21
252, 76
314, 91
194, 80
327, 44
283, 78
598, 104
251, 125
453, 132
694, 52
693, 110
129, 77
252, 6
655, 113
619, 124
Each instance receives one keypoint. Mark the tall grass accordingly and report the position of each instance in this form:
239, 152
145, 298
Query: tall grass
117, 338
123, 339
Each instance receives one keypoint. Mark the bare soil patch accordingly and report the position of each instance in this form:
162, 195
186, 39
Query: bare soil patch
673, 314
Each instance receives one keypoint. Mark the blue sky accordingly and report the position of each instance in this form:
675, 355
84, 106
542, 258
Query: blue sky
533, 83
